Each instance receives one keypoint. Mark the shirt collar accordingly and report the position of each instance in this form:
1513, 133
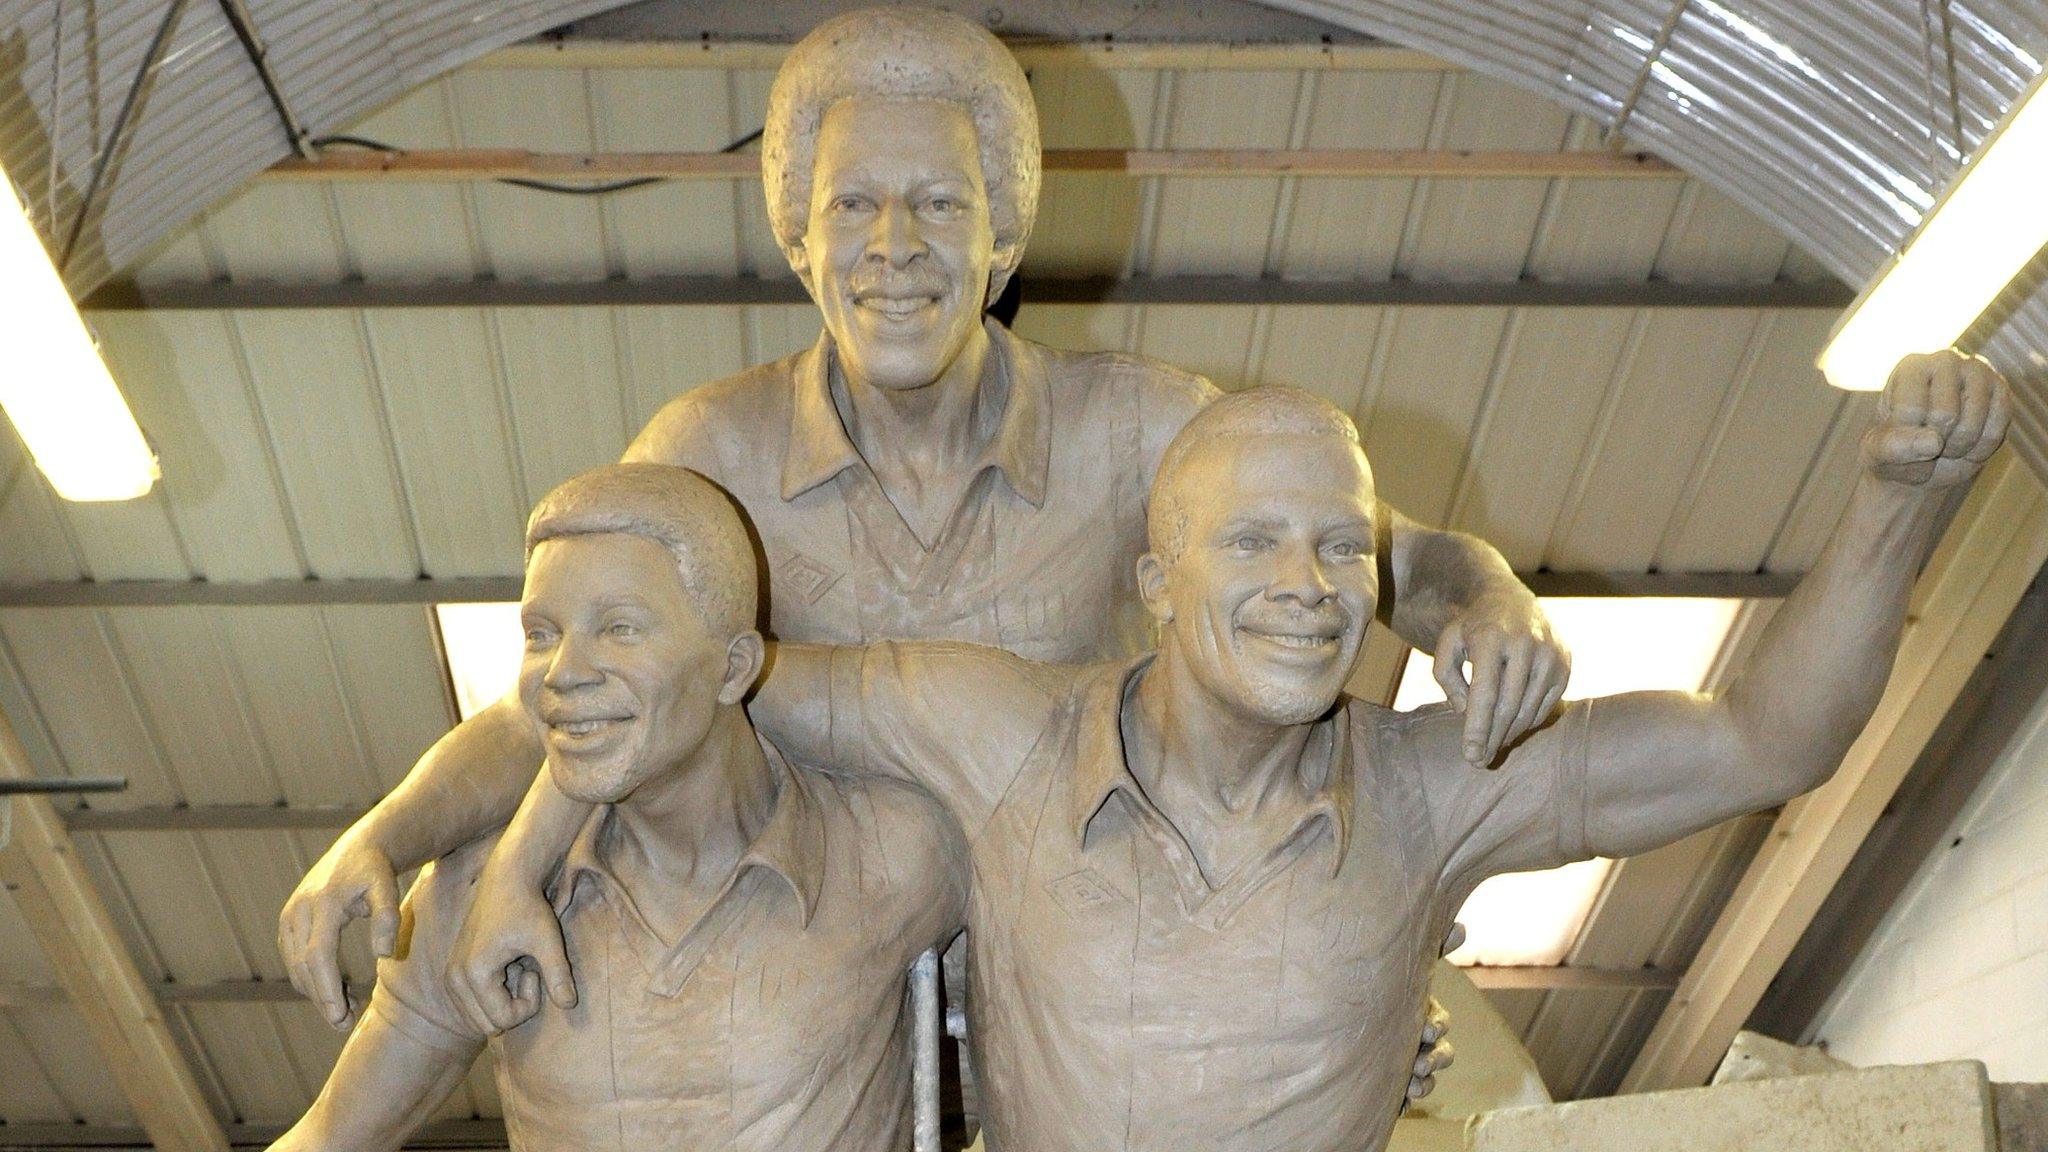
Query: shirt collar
791, 845
1101, 769
1021, 449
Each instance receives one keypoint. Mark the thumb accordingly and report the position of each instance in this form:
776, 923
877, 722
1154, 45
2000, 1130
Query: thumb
1903, 444
383, 900
555, 972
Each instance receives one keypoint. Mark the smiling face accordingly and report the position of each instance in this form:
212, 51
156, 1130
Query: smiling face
1274, 581
898, 246
620, 671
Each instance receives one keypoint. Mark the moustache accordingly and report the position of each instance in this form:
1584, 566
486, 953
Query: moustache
897, 283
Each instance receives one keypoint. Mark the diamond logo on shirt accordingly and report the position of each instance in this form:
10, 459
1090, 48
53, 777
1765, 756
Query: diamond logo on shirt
806, 577
1083, 891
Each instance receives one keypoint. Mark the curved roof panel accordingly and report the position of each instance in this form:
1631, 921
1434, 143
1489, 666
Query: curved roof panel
1837, 125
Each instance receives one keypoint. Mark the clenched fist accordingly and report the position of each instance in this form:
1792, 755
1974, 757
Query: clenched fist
1941, 417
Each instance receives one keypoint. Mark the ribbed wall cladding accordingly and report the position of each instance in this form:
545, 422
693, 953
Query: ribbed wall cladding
1836, 122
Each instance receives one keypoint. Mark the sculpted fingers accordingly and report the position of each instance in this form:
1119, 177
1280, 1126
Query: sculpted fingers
1997, 417
1548, 675
1450, 664
1973, 408
1453, 940
1514, 685
315, 970
1487, 660
382, 899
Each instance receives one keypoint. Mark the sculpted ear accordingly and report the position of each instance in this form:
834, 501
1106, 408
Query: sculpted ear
744, 658
1152, 587
1001, 266
799, 258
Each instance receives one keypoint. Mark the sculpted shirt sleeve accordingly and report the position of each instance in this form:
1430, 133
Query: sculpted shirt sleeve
412, 986
958, 719
1527, 814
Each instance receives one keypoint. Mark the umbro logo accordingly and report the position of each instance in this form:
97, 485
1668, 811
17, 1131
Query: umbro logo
806, 577
1083, 891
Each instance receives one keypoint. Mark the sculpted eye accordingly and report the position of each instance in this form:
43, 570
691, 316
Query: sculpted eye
539, 637
848, 204
1249, 543
1346, 549
621, 630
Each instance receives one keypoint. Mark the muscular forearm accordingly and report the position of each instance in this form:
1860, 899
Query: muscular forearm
1821, 665
384, 1086
467, 784
1439, 576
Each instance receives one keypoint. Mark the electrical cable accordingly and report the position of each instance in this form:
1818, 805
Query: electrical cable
342, 139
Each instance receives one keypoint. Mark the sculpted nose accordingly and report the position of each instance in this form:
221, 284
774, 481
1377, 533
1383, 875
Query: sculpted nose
1301, 578
571, 667
897, 240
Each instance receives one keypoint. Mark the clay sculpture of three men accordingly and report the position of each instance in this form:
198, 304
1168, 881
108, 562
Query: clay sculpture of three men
1203, 887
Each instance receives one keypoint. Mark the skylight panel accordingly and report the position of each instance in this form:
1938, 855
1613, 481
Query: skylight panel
1618, 644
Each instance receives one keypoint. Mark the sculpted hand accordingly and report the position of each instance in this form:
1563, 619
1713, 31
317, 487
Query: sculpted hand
1434, 1054
510, 947
1519, 671
1941, 417
353, 879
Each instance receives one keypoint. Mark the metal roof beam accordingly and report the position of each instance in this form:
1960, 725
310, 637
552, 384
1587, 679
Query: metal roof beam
1994, 549
473, 589
382, 166
730, 291
41, 871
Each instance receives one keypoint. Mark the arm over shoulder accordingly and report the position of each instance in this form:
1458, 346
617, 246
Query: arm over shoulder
956, 719
1167, 399
1528, 813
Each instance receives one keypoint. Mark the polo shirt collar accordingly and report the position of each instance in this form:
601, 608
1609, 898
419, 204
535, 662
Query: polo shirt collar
1021, 449
791, 846
1102, 770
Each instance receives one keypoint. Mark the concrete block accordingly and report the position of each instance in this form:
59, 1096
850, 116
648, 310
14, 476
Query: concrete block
1755, 1056
1914, 1108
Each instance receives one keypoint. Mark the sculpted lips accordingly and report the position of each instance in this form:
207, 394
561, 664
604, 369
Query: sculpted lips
895, 307
578, 726
898, 297
1310, 634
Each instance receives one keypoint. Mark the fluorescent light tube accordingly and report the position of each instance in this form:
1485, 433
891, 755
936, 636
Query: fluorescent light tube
53, 384
1975, 241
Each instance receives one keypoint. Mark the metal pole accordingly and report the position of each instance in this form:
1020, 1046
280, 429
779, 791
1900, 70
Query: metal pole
924, 1074
41, 786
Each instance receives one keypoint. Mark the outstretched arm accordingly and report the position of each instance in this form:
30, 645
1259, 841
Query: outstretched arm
385, 1086
1662, 765
467, 784
1454, 595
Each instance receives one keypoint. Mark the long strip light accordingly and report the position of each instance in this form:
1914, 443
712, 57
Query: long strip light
1976, 240
53, 384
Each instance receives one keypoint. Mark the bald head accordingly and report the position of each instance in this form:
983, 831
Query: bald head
675, 508
1273, 410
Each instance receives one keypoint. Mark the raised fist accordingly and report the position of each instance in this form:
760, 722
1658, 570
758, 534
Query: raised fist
1941, 417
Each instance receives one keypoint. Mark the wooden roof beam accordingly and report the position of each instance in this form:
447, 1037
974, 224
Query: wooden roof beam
41, 870
1991, 553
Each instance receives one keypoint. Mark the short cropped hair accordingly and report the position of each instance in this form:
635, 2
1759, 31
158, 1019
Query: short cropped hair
905, 53
675, 508
1270, 410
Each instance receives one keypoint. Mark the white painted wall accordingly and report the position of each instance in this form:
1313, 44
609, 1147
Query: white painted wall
1960, 967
